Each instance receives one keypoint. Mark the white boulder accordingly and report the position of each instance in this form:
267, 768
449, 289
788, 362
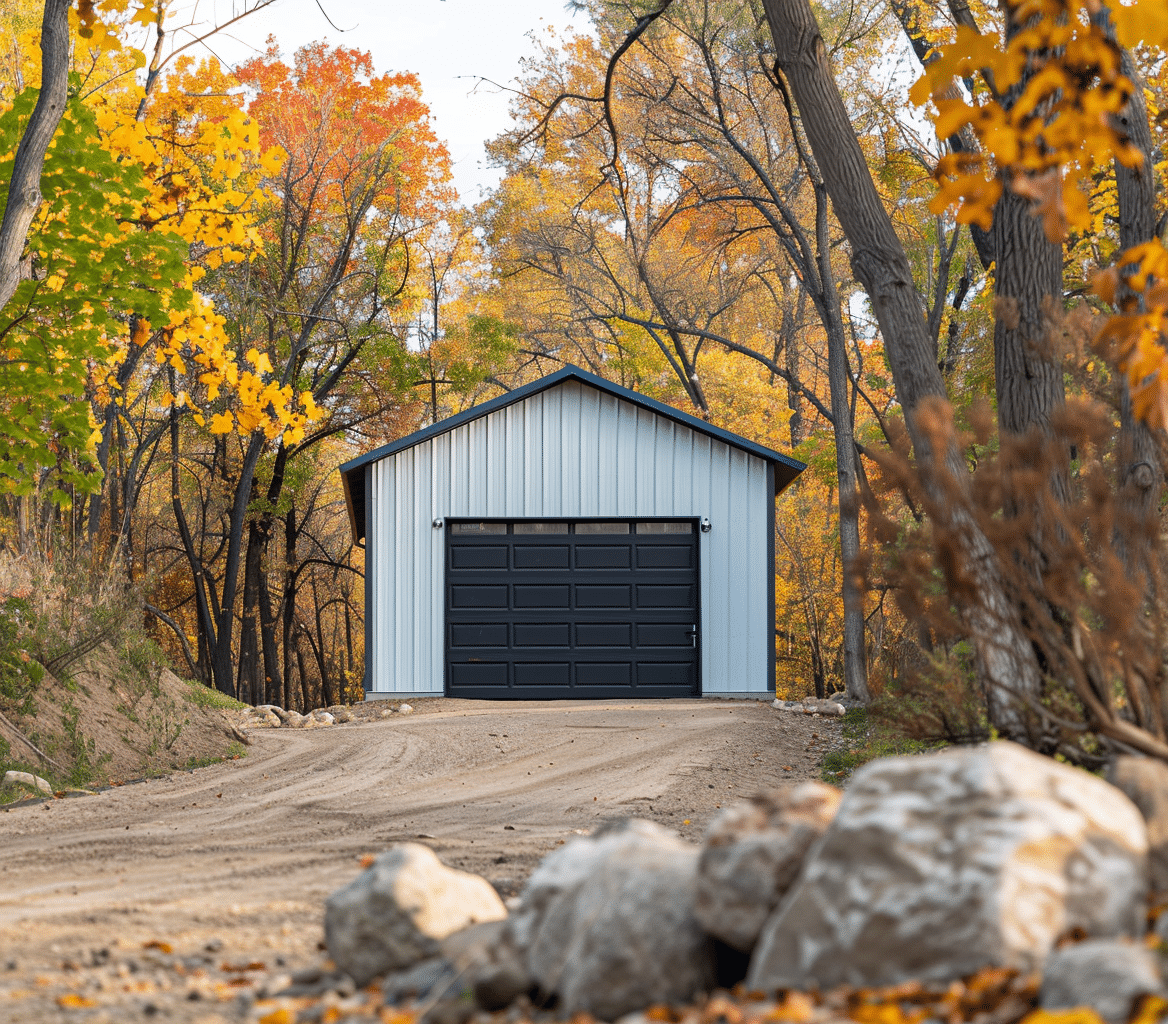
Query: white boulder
941, 864
395, 913
751, 855
608, 924
29, 781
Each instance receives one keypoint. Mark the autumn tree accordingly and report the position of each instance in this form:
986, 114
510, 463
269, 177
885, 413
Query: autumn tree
320, 296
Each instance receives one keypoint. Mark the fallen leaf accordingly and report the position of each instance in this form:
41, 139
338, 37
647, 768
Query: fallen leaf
162, 947
72, 1001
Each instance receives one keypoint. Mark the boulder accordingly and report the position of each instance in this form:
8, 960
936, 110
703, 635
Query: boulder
29, 781
751, 856
489, 964
395, 913
1108, 975
608, 925
1145, 781
941, 864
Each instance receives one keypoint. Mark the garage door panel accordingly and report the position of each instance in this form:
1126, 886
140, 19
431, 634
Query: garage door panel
531, 595
605, 596
596, 556
658, 596
463, 595
667, 673
665, 634
604, 673
479, 674
543, 673
604, 634
480, 556
584, 610
482, 634
665, 556
543, 634
541, 556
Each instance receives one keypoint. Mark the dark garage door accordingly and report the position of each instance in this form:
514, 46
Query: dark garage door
543, 610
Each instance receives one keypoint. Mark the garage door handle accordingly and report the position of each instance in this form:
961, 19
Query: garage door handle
692, 633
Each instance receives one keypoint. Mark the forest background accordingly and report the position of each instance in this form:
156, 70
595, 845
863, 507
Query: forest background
944, 297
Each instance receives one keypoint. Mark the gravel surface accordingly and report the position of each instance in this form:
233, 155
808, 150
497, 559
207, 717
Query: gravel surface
185, 898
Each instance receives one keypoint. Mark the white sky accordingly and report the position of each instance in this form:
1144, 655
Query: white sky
448, 43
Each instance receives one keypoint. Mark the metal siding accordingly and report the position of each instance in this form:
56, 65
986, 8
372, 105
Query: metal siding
576, 453
589, 501
606, 455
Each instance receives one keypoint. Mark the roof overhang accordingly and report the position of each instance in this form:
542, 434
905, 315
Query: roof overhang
785, 468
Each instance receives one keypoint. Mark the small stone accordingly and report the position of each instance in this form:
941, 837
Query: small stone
405, 709
1108, 975
425, 980
29, 781
386, 712
394, 914
1145, 781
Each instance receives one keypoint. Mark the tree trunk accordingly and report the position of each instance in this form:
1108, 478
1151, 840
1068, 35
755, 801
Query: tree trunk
24, 192
1141, 478
1005, 658
855, 667
249, 655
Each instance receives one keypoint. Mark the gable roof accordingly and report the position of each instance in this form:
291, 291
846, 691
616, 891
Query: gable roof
786, 469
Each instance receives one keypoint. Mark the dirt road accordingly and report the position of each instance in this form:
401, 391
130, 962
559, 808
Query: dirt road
243, 854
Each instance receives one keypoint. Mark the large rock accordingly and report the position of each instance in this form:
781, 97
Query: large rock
751, 855
395, 913
29, 781
608, 925
941, 864
1145, 781
1107, 975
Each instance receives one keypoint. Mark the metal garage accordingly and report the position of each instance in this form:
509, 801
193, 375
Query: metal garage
570, 539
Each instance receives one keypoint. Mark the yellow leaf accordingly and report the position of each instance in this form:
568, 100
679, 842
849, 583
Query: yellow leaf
1079, 1015
222, 423
72, 1001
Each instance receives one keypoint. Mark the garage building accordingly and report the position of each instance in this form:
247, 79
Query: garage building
570, 539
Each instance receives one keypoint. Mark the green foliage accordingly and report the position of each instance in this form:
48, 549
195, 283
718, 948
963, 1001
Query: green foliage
20, 673
92, 271
208, 697
867, 737
80, 751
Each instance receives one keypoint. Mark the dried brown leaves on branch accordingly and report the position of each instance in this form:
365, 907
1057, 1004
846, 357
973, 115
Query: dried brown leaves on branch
1083, 567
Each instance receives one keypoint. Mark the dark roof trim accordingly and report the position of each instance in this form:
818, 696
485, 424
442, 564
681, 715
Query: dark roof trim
353, 471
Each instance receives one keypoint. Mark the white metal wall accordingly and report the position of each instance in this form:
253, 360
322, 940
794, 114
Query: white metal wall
571, 451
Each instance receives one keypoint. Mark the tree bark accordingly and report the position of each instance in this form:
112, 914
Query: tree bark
24, 192
855, 668
1141, 477
1006, 660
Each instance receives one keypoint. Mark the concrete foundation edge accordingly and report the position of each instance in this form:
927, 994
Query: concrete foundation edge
764, 695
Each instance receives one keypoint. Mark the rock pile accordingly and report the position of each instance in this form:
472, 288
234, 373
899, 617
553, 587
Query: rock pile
827, 706
928, 869
270, 716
